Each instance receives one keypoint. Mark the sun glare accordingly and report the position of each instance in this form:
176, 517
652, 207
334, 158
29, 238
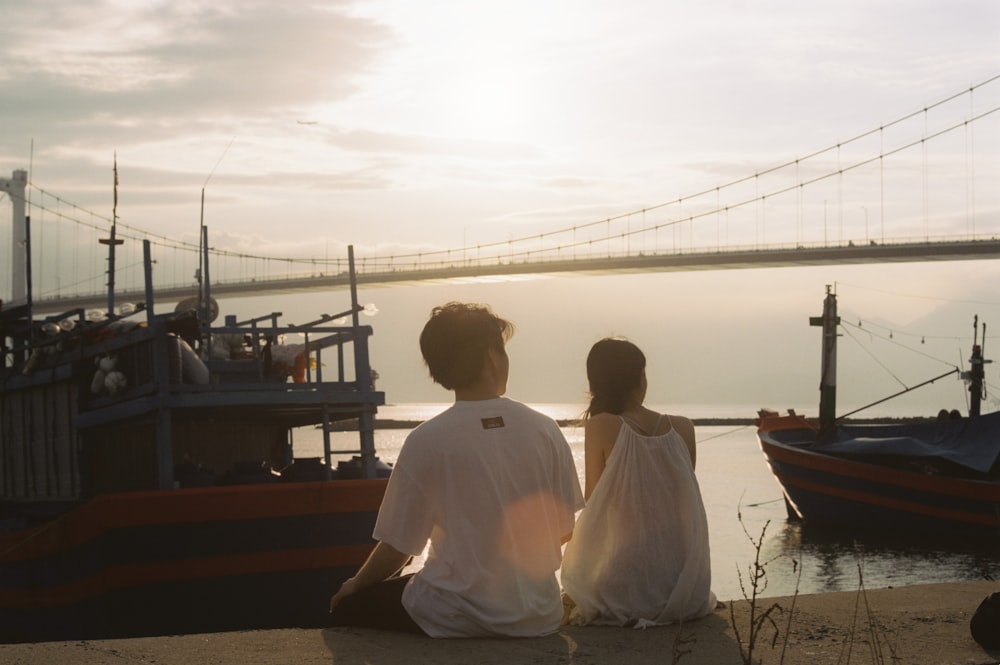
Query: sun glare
484, 95
486, 100
470, 71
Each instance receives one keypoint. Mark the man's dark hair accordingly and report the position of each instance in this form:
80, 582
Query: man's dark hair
456, 339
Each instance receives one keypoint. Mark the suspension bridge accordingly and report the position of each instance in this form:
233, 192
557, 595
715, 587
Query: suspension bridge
920, 188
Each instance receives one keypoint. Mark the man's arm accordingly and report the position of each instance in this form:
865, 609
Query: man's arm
384, 561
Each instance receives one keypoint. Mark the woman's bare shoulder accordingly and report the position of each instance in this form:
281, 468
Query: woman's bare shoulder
603, 422
683, 425
603, 418
680, 421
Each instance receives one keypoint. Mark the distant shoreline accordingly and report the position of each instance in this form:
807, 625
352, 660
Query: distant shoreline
393, 423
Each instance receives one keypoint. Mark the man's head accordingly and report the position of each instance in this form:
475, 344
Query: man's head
457, 340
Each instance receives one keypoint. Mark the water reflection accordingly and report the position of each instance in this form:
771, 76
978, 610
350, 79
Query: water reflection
818, 559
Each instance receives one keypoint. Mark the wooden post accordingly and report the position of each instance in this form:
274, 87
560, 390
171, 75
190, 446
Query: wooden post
828, 372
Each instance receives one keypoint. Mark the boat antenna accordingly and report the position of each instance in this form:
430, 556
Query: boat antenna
112, 241
202, 273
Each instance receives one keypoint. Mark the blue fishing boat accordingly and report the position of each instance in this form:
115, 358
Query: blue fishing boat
921, 476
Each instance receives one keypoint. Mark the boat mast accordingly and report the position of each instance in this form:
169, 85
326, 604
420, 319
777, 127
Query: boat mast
112, 241
828, 372
202, 257
977, 370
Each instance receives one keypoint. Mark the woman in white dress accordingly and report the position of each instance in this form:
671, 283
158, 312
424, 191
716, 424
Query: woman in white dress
639, 553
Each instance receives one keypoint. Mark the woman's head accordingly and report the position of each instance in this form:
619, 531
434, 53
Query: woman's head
457, 339
616, 369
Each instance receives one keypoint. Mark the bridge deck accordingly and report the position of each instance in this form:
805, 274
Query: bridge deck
439, 272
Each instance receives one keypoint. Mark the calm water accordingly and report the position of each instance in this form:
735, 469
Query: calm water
742, 499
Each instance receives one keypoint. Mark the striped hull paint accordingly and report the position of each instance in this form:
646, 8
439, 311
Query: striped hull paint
188, 560
826, 489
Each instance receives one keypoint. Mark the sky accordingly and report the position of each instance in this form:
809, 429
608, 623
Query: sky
398, 127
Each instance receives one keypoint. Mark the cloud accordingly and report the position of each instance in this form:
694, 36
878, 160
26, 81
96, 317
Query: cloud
125, 73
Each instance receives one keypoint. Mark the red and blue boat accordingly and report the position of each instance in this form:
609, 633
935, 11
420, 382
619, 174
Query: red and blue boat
149, 481
919, 477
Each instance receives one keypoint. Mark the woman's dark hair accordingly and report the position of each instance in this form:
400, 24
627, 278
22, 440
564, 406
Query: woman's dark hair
456, 339
614, 371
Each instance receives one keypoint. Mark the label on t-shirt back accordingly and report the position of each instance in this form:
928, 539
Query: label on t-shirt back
492, 423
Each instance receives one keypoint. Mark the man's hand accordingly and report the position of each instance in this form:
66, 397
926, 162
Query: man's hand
346, 589
383, 562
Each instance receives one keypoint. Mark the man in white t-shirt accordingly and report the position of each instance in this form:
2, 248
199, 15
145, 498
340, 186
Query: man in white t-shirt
490, 482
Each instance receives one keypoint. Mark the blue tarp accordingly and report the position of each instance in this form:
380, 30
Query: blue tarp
973, 443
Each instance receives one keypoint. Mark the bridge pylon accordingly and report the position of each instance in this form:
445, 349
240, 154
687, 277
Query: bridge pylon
15, 187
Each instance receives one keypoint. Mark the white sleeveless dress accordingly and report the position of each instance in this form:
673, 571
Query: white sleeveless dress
639, 554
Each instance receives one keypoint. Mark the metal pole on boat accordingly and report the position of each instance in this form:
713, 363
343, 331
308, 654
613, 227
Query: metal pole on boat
205, 306
977, 370
147, 272
205, 296
354, 286
27, 275
362, 375
27, 262
112, 242
199, 272
828, 378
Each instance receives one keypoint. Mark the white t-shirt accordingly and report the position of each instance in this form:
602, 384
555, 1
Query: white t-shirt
493, 485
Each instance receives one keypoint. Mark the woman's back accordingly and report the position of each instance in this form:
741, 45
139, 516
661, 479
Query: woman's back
640, 550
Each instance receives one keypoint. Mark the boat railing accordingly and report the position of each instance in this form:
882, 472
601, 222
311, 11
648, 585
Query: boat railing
24, 342
152, 358
117, 360
264, 355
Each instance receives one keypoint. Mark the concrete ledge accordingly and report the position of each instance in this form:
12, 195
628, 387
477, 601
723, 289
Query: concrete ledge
916, 625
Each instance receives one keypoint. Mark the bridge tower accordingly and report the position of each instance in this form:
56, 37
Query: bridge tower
15, 187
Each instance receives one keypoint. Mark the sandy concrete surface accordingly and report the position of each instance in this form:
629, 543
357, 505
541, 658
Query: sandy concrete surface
916, 625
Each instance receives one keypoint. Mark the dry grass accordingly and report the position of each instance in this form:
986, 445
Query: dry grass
762, 626
762, 619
